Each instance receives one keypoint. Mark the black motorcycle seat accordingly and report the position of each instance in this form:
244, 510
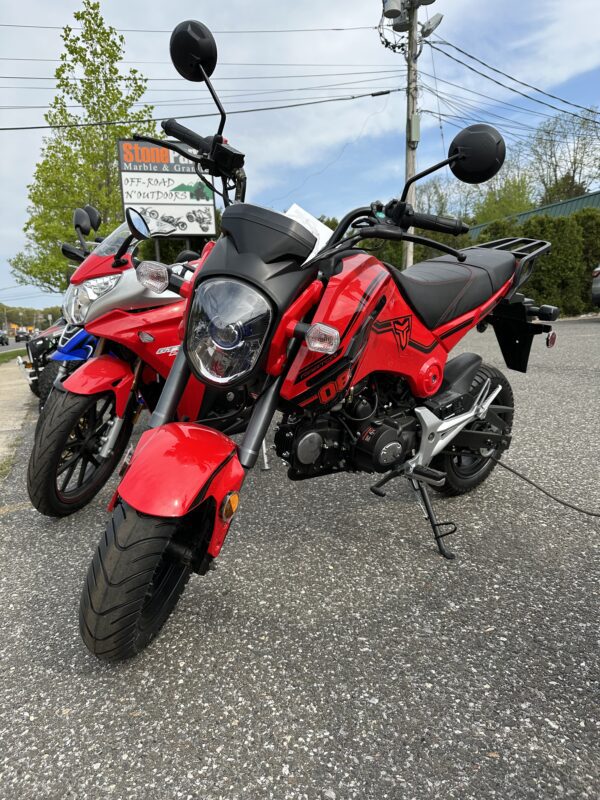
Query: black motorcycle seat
441, 289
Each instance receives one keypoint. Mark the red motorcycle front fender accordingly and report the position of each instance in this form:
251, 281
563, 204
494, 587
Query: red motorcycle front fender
178, 466
103, 374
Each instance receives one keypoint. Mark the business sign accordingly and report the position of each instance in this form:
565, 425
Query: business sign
162, 185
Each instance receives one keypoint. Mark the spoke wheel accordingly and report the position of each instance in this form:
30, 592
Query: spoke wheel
80, 459
65, 468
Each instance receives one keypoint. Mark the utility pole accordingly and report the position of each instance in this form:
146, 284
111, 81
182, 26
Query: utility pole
401, 18
412, 118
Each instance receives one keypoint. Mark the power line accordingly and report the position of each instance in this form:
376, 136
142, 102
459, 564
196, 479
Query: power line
187, 102
221, 63
106, 123
170, 30
263, 91
495, 100
222, 78
510, 88
438, 99
440, 40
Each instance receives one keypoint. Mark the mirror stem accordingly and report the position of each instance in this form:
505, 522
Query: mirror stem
118, 260
215, 97
426, 172
81, 239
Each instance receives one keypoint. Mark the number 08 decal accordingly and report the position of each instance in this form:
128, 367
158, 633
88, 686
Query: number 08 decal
333, 388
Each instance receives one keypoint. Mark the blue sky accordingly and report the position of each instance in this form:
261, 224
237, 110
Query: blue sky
328, 158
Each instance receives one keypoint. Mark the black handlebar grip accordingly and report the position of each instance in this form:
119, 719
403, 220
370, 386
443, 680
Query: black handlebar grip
431, 222
173, 128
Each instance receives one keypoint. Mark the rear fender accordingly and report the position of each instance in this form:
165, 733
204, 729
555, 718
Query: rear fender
177, 467
103, 374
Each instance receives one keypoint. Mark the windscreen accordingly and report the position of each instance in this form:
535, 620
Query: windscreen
113, 241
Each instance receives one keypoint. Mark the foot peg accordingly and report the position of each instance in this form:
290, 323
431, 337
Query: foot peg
431, 476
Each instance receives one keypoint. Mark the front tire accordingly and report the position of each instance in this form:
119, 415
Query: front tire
65, 470
135, 580
48, 376
466, 470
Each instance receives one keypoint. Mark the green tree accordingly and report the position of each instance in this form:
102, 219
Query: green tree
78, 165
564, 156
511, 196
564, 188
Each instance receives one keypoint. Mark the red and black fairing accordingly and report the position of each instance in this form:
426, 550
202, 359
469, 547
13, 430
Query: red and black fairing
380, 332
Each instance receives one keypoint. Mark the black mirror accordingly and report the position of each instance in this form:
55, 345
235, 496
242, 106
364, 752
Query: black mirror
482, 152
94, 215
81, 221
72, 253
193, 50
137, 224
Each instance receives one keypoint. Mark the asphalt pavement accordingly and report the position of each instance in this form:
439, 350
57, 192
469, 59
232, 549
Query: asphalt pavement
12, 346
333, 654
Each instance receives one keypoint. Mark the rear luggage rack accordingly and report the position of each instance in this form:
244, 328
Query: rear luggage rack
524, 250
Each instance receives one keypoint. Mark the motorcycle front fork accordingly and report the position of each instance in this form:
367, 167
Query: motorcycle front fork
112, 435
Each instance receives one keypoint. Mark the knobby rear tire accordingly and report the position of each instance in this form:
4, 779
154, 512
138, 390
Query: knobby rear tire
132, 585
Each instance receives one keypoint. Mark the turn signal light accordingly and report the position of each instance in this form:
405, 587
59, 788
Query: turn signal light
153, 276
322, 338
229, 506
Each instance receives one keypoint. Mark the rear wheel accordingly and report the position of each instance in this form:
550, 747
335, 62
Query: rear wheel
465, 469
65, 468
135, 579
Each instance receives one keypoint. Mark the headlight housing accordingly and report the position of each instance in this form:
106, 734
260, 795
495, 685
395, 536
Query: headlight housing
227, 327
80, 296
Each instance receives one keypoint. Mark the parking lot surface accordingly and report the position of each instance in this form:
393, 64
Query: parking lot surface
333, 654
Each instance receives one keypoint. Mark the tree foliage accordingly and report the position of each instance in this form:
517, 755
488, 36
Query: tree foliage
565, 156
78, 165
512, 196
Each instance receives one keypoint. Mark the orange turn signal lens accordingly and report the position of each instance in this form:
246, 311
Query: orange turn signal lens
229, 506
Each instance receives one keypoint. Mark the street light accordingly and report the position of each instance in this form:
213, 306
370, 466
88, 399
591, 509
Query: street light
427, 28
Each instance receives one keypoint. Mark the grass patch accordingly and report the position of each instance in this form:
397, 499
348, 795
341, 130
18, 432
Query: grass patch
7, 462
10, 355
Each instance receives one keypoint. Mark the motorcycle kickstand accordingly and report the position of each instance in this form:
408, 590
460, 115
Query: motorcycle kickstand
424, 501
265, 467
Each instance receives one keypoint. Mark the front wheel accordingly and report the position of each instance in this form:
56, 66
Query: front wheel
135, 579
48, 376
65, 468
465, 469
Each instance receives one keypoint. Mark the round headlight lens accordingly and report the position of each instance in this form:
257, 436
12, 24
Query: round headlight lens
226, 330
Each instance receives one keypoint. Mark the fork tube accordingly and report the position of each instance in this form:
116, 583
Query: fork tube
172, 391
265, 408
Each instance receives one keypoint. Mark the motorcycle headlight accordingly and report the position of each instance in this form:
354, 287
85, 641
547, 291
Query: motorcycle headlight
226, 330
80, 296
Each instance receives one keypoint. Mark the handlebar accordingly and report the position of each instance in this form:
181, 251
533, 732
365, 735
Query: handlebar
200, 143
431, 222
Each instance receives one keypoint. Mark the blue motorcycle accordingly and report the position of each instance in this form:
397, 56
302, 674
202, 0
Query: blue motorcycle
75, 346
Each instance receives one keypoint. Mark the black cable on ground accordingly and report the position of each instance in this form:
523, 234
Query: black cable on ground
547, 493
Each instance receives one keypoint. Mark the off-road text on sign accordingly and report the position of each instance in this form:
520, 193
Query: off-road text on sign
164, 185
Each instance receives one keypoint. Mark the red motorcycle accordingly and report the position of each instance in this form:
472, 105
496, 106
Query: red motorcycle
353, 352
88, 418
